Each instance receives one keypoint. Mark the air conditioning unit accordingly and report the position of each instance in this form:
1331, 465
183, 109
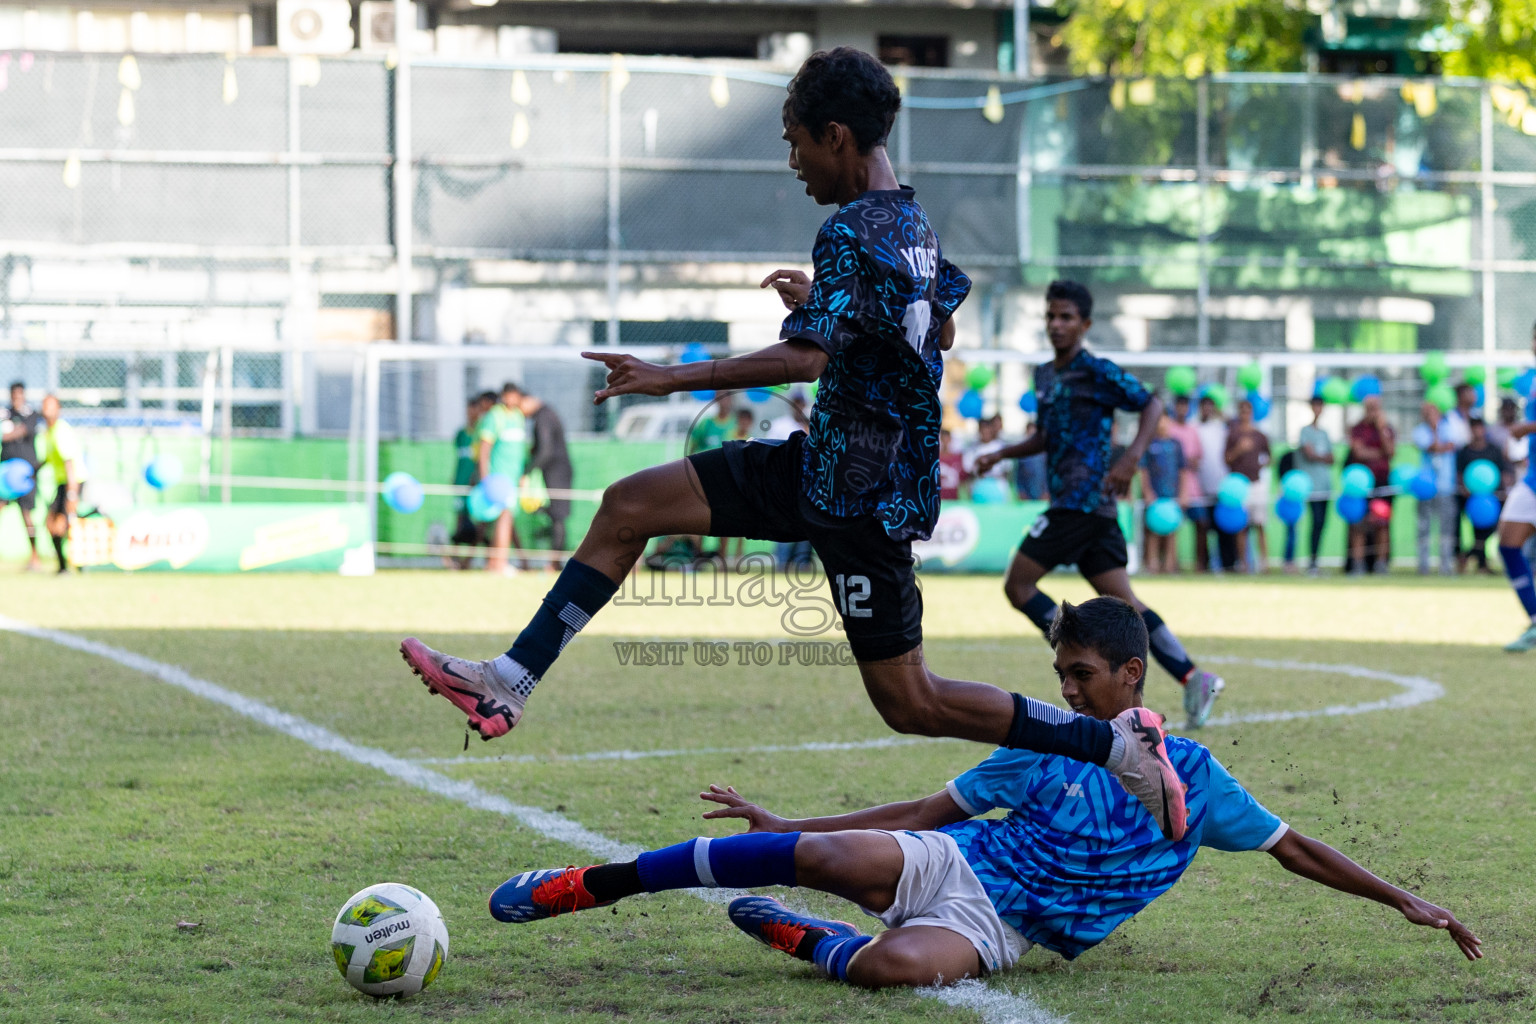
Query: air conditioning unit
314, 26
376, 28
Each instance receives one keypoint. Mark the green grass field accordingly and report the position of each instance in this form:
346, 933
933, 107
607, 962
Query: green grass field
133, 809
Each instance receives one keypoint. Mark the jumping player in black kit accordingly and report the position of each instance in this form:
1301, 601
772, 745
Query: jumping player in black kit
1078, 394
860, 486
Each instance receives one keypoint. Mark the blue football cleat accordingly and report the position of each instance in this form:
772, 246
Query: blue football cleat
773, 924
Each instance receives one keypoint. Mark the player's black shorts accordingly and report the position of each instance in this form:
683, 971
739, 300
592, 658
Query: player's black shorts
753, 489
59, 505
1064, 536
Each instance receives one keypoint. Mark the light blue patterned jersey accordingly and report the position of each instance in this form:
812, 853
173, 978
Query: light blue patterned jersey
881, 294
1077, 855
1077, 414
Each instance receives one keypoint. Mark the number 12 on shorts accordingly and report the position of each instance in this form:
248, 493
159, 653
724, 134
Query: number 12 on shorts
852, 592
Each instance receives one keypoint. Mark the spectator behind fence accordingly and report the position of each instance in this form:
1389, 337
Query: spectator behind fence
1247, 453
1432, 437
988, 440
549, 456
1372, 443
1212, 470
503, 436
951, 468
793, 419
1480, 447
63, 453
1314, 456
1459, 418
1184, 432
19, 441
1031, 474
466, 473
1162, 467
1515, 448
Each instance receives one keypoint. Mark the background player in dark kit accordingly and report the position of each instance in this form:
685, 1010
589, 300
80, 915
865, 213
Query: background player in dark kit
1078, 394
860, 486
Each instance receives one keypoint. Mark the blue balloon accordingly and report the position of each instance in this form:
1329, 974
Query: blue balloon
1231, 518
1029, 402
1481, 477
16, 479
1260, 405
1164, 516
703, 396
758, 395
1402, 476
1483, 510
970, 405
694, 352
1423, 486
989, 490
1482, 395
163, 471
1525, 383
402, 492
1288, 508
1233, 490
1358, 480
1296, 484
1351, 507
1364, 387
499, 489
481, 509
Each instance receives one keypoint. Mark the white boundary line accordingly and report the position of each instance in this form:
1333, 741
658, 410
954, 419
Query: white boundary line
1415, 690
995, 1006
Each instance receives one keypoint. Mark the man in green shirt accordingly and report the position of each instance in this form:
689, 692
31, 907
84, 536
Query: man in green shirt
503, 436
712, 432
61, 452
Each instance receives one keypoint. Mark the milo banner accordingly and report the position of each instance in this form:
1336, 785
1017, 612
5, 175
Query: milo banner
209, 537
972, 537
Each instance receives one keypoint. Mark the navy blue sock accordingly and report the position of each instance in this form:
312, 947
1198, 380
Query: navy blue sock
1040, 610
1166, 647
1047, 729
1519, 573
833, 953
747, 861
579, 593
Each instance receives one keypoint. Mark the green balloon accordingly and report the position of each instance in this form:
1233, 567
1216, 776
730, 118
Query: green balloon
1507, 375
1180, 380
1443, 396
1475, 375
1216, 393
1434, 369
1336, 391
1250, 377
979, 377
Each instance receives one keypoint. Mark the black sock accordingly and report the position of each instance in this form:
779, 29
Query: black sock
58, 547
806, 950
1040, 610
1047, 729
609, 882
1166, 647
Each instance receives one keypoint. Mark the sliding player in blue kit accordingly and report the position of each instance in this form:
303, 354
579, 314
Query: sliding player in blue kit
860, 486
960, 895
1078, 394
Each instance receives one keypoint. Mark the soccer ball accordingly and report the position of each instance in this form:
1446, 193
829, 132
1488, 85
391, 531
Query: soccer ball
389, 940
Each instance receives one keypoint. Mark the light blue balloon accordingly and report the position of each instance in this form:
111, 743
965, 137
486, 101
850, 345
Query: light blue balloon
1351, 507
481, 509
1296, 484
498, 489
1481, 477
163, 471
1363, 388
1231, 518
1525, 383
694, 352
1233, 490
1423, 487
703, 396
1358, 480
1402, 476
989, 490
1288, 508
16, 479
1260, 405
402, 492
1164, 516
1483, 510
1029, 402
758, 395
970, 405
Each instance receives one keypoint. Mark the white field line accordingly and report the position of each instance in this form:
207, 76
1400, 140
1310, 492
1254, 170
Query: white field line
1415, 690
994, 1006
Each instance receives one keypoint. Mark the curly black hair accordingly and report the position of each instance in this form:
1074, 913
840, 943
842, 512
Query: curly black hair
1074, 293
844, 86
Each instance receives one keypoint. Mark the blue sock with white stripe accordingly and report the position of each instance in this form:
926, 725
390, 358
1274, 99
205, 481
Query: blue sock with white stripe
833, 953
1519, 573
747, 861
579, 593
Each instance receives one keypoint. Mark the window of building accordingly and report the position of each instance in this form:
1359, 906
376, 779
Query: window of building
914, 51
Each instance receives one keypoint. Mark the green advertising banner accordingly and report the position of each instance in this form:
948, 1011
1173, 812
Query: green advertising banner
211, 537
972, 537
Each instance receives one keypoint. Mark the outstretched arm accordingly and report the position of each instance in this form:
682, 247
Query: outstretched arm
919, 815
1320, 862
788, 362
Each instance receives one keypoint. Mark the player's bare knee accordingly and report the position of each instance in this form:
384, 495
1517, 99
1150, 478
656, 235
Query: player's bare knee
891, 965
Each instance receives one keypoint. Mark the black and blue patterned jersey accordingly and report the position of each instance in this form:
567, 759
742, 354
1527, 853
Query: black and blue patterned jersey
881, 292
1077, 413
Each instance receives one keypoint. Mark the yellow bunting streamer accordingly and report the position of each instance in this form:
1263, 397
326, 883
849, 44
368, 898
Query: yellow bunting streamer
1142, 92
231, 85
992, 110
1357, 132
901, 84
72, 171
520, 130
125, 111
128, 72
306, 70
719, 91
620, 73
522, 95
1117, 95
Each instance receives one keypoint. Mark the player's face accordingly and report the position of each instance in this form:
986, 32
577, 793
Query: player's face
18, 397
51, 410
1064, 324
815, 161
1090, 687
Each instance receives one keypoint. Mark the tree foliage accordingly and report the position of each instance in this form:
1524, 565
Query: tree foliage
1132, 38
1497, 39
